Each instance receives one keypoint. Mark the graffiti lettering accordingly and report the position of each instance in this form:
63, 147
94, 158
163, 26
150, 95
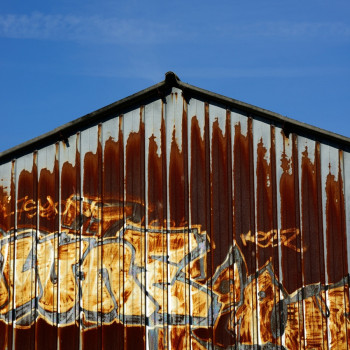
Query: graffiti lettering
100, 265
273, 239
106, 266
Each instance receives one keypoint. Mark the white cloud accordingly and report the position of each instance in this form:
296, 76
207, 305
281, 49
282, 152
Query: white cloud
287, 30
95, 28
266, 72
139, 31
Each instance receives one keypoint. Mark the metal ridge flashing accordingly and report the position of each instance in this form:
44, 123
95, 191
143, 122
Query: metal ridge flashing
159, 90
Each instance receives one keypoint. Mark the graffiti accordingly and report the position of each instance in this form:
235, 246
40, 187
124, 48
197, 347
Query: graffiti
28, 208
73, 210
273, 238
275, 308
105, 265
121, 272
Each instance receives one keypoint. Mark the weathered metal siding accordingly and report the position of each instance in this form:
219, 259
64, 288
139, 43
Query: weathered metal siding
180, 224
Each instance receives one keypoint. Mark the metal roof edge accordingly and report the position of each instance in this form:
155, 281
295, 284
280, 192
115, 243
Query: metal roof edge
159, 90
64, 131
289, 125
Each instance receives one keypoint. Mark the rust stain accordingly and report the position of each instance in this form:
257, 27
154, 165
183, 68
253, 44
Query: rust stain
70, 186
91, 339
46, 335
135, 191
268, 297
164, 168
244, 212
290, 216
69, 180
276, 257
113, 336
336, 235
339, 317
6, 283
315, 325
198, 286
264, 201
135, 165
294, 333
48, 189
27, 188
223, 336
91, 175
184, 134
135, 337
264, 285
5, 210
197, 178
6, 340
69, 337
247, 329
7, 269
176, 184
113, 163
47, 199
312, 228
155, 188
312, 240
290, 222
180, 338
228, 286
5, 296
268, 292
6, 289
221, 220
244, 222
337, 265
91, 300
112, 209
209, 258
113, 191
24, 338
196, 345
25, 281
198, 189
221, 191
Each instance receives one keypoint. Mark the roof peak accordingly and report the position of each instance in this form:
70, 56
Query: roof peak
171, 79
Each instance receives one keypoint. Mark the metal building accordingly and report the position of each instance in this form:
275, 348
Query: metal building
176, 219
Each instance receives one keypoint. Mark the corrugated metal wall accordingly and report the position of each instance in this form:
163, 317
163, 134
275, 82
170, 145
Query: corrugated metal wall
176, 225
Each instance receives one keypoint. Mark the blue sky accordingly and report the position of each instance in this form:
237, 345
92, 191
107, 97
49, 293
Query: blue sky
62, 59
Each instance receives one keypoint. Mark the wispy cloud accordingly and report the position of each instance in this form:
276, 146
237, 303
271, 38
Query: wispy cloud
287, 30
140, 31
267, 72
78, 28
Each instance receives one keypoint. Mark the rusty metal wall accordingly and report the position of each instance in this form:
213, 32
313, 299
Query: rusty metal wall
178, 225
